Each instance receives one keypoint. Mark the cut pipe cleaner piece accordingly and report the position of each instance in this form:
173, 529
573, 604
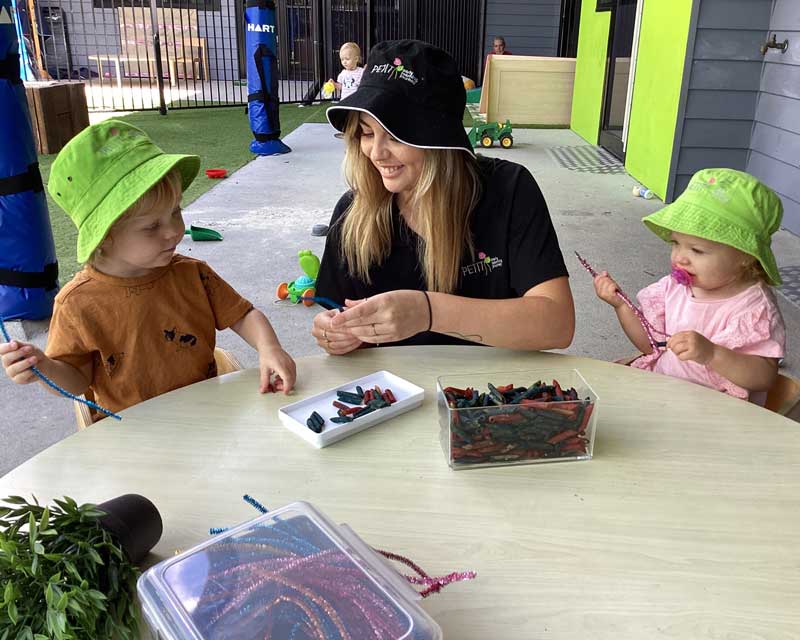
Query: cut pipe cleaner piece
681, 276
54, 386
649, 329
323, 302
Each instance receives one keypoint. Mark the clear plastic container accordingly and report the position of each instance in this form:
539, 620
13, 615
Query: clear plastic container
511, 434
290, 573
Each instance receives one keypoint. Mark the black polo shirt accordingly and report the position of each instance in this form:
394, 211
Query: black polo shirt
515, 243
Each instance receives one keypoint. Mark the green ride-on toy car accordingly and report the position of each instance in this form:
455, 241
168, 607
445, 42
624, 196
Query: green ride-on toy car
303, 287
483, 134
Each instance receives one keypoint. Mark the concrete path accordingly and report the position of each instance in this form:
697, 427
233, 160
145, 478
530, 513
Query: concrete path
266, 211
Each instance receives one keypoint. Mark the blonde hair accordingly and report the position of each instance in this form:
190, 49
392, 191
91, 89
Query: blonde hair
166, 193
445, 194
752, 271
354, 47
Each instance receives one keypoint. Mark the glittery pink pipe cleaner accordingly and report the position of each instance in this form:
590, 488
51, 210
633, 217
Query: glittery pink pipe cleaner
649, 329
434, 584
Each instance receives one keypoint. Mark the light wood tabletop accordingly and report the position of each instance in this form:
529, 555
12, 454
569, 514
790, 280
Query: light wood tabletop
686, 523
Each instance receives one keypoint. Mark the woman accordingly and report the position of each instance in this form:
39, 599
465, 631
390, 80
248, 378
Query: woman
433, 245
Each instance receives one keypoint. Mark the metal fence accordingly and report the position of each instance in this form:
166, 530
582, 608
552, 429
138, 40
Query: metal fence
111, 44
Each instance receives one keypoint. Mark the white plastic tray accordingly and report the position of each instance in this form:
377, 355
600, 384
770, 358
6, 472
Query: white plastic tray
409, 396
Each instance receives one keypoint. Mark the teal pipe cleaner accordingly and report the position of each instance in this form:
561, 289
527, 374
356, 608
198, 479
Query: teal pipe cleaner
54, 386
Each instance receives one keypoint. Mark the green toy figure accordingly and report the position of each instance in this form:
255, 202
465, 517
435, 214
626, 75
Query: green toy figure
302, 289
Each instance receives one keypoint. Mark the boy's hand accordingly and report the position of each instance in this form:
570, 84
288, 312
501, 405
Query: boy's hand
18, 358
606, 289
276, 361
690, 345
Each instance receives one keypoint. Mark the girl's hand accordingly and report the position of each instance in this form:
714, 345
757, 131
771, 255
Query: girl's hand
276, 361
18, 358
690, 345
606, 289
386, 317
334, 341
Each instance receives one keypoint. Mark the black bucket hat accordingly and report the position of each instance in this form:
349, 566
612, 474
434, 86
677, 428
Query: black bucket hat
415, 91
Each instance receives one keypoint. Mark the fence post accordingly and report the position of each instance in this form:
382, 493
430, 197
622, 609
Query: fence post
162, 108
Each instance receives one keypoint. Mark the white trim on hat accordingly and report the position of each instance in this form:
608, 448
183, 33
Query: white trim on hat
398, 138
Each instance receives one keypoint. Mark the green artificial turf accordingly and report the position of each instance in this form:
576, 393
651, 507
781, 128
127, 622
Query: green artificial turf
220, 136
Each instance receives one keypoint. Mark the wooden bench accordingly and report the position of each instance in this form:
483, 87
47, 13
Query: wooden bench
183, 51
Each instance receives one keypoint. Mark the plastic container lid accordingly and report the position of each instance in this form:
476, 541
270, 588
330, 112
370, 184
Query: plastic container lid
290, 573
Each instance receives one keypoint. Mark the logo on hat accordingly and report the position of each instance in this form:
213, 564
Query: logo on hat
396, 69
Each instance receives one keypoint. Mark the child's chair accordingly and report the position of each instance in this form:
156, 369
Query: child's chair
783, 398
226, 363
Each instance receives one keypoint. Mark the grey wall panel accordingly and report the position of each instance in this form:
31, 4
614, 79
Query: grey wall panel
726, 44
718, 134
786, 15
735, 14
692, 160
725, 74
780, 144
735, 105
781, 80
779, 111
775, 154
780, 176
681, 182
791, 216
530, 27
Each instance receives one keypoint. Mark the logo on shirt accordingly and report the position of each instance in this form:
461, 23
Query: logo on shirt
396, 70
138, 290
485, 265
112, 363
179, 339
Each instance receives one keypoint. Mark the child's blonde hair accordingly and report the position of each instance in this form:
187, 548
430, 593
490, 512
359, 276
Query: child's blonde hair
354, 47
166, 193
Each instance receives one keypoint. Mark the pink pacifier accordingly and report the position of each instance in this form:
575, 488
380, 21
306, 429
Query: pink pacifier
681, 276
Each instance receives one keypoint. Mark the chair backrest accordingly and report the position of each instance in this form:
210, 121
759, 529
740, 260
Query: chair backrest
226, 363
784, 397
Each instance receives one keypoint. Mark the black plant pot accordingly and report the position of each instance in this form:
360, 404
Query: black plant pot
135, 522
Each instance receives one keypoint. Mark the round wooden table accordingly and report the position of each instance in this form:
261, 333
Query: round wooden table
684, 525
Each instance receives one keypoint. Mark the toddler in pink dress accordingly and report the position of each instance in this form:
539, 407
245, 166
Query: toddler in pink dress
717, 310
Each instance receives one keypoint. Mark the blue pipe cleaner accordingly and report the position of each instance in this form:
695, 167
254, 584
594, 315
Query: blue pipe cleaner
53, 385
249, 500
323, 302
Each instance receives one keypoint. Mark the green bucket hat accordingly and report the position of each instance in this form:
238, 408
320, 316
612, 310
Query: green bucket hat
103, 171
726, 206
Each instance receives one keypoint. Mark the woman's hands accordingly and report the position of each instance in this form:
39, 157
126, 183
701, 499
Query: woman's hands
334, 341
386, 317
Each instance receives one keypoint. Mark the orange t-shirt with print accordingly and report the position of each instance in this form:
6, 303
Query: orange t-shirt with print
143, 336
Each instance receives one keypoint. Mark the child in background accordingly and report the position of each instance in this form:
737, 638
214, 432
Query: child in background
725, 329
139, 320
350, 76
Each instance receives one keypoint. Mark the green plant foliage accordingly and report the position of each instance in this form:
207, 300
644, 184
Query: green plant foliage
62, 575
